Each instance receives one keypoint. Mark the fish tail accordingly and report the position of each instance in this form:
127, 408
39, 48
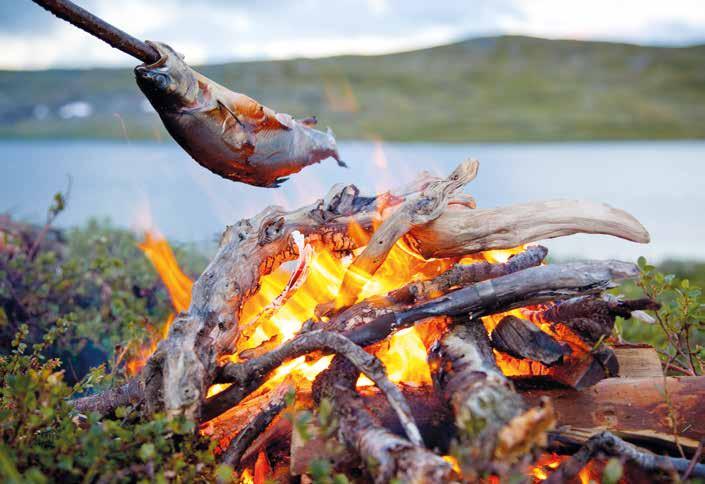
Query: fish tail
334, 148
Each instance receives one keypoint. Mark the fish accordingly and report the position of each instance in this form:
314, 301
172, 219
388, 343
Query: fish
226, 132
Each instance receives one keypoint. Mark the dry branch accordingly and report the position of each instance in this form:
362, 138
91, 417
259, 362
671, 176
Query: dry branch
460, 232
385, 455
611, 445
104, 403
465, 274
417, 210
492, 421
593, 318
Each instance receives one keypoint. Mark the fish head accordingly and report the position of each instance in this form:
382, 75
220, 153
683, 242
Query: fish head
168, 82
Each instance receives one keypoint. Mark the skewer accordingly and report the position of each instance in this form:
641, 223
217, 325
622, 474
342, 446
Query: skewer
97, 27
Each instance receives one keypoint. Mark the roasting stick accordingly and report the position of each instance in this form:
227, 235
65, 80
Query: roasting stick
97, 27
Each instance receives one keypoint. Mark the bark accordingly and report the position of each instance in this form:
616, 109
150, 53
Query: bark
523, 339
611, 445
239, 445
461, 232
492, 421
417, 210
385, 455
592, 318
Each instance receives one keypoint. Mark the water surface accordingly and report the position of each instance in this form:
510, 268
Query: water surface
138, 184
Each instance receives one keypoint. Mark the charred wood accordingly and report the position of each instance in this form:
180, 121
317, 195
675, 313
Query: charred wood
465, 274
611, 445
593, 318
249, 375
523, 339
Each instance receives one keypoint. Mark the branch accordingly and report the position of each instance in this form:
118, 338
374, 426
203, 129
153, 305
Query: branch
86, 21
249, 375
385, 455
612, 445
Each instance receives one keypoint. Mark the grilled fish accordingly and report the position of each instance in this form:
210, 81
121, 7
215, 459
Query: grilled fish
227, 132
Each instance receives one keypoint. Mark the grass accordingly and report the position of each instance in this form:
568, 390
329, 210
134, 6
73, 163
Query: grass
492, 89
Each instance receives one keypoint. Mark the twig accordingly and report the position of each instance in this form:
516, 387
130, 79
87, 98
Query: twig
612, 445
694, 461
97, 27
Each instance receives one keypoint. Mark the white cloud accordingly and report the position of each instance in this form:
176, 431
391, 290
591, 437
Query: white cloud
220, 30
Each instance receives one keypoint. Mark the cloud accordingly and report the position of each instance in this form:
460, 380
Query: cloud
223, 30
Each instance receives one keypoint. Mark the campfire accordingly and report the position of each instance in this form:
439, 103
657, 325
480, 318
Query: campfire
425, 336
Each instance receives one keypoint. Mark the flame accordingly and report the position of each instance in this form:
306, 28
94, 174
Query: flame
178, 285
547, 463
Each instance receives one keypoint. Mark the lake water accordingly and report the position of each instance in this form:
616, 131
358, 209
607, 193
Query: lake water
142, 184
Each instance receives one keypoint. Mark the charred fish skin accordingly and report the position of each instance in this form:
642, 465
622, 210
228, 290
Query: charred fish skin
229, 133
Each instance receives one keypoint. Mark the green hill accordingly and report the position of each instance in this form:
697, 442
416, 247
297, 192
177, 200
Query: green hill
489, 89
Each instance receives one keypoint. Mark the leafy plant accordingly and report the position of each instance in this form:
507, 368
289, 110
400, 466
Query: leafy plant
42, 439
678, 334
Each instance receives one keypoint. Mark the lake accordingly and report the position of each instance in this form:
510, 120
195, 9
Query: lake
153, 184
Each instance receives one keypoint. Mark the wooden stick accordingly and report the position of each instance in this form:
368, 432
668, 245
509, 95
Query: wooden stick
97, 27
252, 373
612, 445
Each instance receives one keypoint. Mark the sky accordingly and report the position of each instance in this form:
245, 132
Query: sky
208, 31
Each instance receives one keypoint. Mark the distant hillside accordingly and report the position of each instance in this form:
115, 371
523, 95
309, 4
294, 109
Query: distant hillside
490, 89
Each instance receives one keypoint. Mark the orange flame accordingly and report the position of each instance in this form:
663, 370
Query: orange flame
547, 463
178, 285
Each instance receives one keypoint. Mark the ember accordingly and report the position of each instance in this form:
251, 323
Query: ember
400, 274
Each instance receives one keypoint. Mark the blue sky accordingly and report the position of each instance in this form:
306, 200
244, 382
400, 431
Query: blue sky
223, 30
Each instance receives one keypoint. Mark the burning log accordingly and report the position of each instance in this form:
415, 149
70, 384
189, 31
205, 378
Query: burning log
611, 445
524, 288
593, 318
465, 274
523, 339
385, 455
492, 421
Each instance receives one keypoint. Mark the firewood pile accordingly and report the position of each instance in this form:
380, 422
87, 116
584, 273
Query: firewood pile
523, 376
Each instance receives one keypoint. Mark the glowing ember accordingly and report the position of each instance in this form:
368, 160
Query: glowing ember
547, 463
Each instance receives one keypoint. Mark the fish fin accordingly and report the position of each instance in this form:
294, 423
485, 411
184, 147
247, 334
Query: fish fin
277, 183
310, 121
233, 132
